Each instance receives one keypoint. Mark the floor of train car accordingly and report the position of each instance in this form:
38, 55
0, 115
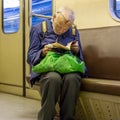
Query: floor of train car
14, 107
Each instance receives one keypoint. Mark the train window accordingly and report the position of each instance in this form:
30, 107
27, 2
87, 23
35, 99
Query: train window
11, 16
115, 9
41, 9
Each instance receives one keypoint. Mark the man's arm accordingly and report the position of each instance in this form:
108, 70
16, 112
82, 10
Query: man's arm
34, 51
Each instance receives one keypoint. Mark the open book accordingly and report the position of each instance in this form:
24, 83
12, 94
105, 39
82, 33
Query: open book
58, 45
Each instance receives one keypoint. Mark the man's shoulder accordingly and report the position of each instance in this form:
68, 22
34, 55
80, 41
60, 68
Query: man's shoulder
39, 25
36, 27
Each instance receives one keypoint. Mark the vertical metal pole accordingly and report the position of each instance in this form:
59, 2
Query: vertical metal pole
24, 51
30, 12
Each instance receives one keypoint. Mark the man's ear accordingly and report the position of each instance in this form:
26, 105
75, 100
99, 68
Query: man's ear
69, 23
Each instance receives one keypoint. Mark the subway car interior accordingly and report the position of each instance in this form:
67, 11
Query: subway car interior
98, 22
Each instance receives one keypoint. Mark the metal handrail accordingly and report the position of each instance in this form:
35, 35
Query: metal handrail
39, 15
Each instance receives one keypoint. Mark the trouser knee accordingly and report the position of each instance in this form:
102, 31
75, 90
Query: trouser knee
72, 78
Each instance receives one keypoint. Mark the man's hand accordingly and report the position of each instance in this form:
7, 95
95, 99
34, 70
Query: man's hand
45, 49
75, 47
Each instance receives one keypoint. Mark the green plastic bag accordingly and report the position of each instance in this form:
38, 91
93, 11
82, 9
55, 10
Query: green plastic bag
69, 63
62, 63
47, 64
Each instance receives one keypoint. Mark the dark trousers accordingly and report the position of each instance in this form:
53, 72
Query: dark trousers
52, 86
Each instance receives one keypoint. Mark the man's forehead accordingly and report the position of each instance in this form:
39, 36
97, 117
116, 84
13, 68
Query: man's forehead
62, 16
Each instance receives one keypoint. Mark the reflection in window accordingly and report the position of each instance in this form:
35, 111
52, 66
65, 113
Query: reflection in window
43, 7
115, 9
11, 16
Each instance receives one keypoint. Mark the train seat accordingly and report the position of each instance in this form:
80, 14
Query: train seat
104, 86
102, 61
100, 93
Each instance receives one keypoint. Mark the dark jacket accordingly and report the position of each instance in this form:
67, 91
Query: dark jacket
38, 39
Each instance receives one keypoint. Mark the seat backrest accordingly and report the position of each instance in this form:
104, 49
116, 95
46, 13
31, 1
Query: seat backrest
102, 52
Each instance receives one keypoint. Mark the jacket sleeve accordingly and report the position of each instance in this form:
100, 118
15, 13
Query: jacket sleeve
34, 51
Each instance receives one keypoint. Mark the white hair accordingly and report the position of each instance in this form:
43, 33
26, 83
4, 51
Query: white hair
67, 13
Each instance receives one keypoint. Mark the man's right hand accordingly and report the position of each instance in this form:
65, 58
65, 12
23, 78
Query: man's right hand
45, 49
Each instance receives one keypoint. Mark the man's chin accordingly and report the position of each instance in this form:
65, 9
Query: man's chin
58, 33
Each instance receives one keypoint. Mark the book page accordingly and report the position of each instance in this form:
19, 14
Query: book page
58, 45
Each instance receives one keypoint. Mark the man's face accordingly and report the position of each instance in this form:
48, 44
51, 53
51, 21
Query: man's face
60, 24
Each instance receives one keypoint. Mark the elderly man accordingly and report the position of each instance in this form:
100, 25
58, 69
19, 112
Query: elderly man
53, 84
